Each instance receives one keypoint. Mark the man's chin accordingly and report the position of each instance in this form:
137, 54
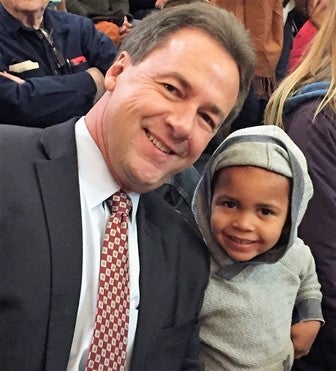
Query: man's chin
145, 184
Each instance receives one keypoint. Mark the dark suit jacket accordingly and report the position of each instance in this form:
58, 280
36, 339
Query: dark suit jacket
41, 257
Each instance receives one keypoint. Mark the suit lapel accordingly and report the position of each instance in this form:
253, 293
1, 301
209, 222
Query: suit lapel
151, 278
58, 179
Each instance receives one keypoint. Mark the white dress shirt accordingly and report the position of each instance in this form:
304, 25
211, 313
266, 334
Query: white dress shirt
96, 185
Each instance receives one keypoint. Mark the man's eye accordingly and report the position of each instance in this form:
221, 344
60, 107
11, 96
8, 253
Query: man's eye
208, 119
170, 88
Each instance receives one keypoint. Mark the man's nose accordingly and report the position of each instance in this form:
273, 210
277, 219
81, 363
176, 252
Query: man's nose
182, 122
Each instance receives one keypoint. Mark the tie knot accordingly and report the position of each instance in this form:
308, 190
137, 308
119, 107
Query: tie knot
119, 202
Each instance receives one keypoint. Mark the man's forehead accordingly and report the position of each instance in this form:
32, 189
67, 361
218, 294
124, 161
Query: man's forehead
187, 31
184, 37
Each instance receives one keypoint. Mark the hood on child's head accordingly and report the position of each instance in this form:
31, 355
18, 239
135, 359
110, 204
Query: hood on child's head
267, 147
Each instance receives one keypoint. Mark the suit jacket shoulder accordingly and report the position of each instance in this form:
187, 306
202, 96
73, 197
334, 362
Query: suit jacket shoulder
40, 246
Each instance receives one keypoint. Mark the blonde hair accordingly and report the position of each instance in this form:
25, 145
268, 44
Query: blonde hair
319, 64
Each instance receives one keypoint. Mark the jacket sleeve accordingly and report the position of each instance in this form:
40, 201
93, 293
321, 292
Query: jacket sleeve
98, 48
317, 228
317, 140
43, 101
308, 301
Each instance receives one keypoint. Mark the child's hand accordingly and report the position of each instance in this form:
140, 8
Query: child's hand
303, 335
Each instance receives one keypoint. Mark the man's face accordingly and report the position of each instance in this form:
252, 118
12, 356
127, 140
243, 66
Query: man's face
249, 210
15, 7
162, 112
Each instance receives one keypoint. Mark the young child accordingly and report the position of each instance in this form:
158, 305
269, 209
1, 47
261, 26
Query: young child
248, 205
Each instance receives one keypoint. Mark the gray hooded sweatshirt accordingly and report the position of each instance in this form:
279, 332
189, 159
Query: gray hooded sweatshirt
248, 306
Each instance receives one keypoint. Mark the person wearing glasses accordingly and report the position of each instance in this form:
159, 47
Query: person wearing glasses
52, 64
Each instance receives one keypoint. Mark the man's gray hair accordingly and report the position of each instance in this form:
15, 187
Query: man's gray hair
219, 24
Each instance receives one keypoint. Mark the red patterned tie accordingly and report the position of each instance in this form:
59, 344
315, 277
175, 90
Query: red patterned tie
109, 342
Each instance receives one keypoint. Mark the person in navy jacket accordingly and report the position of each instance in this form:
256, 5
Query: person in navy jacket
52, 64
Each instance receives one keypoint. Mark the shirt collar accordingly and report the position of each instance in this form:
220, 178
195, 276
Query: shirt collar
95, 178
12, 25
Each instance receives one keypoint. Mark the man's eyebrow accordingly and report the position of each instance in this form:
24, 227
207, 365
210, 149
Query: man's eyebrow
186, 85
179, 77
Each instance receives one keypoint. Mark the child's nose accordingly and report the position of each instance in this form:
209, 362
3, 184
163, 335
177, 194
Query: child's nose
244, 221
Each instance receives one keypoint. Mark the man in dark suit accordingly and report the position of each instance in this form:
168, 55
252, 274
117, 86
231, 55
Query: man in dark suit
166, 97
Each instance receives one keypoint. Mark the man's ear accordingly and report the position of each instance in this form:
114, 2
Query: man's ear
119, 65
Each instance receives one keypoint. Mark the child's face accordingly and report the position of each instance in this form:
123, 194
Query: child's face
248, 210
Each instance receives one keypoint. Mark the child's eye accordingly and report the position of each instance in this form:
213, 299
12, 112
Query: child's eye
229, 204
265, 211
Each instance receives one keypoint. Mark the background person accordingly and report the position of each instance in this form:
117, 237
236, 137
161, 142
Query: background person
305, 105
316, 10
52, 63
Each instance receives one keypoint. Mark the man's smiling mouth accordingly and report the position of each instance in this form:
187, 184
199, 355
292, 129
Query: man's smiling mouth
158, 144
